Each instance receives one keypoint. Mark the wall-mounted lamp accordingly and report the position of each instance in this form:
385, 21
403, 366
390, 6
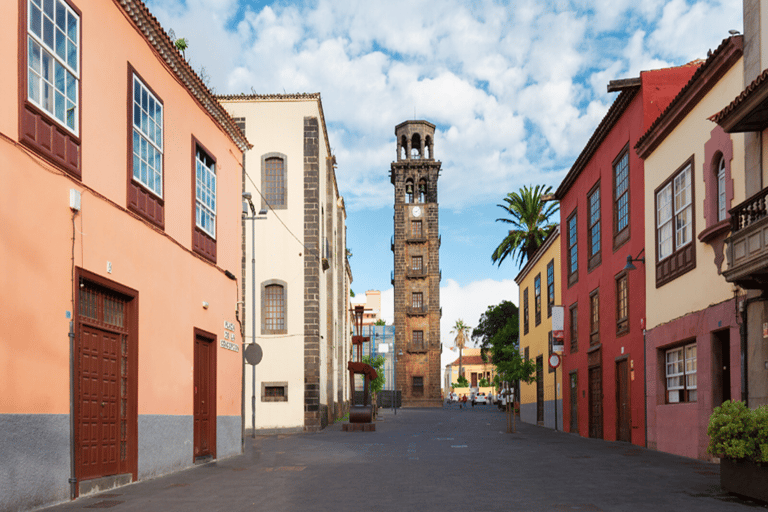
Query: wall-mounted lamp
629, 265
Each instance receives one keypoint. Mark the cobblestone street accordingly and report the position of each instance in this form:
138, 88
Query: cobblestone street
442, 459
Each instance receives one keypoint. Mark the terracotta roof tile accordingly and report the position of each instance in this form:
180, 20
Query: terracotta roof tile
740, 98
472, 360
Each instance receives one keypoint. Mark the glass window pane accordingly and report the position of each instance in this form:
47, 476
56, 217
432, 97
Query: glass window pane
71, 114
59, 77
33, 56
48, 32
144, 172
72, 55
61, 15
144, 99
47, 66
59, 113
136, 166
136, 91
71, 87
61, 44
72, 27
48, 7
35, 20
47, 97
33, 81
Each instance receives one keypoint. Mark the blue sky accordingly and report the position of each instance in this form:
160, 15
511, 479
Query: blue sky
515, 89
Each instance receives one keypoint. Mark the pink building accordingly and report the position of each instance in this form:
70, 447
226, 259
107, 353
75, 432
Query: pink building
119, 339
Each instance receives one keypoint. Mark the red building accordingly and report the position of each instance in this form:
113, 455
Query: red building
602, 223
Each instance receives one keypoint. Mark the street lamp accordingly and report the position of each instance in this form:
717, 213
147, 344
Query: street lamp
630, 259
248, 203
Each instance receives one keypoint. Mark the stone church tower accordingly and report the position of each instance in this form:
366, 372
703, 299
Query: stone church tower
417, 265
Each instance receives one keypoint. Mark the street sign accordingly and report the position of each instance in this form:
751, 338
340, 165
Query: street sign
558, 322
554, 360
253, 354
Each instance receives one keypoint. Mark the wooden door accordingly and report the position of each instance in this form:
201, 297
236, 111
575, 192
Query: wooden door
574, 403
595, 403
623, 414
474, 379
98, 407
205, 397
540, 390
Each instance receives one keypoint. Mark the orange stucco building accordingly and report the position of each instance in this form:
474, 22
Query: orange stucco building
119, 335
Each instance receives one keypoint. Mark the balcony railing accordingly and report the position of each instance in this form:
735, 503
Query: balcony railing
747, 246
749, 212
417, 272
418, 346
418, 310
392, 243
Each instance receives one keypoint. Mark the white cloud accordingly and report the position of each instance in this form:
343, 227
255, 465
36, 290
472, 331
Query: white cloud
514, 88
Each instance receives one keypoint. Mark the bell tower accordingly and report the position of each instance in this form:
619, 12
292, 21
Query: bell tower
416, 278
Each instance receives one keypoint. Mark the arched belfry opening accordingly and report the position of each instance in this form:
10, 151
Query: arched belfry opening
416, 276
416, 148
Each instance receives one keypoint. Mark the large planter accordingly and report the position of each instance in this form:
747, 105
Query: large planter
746, 478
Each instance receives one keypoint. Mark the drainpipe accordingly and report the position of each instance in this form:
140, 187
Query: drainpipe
645, 387
72, 478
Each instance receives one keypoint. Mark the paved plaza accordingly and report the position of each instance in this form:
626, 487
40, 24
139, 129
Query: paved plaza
447, 459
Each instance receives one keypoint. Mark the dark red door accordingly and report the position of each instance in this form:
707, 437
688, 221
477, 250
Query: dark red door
540, 390
623, 418
574, 394
98, 418
205, 397
595, 403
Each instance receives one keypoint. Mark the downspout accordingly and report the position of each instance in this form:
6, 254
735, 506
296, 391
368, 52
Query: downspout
242, 325
72, 478
645, 388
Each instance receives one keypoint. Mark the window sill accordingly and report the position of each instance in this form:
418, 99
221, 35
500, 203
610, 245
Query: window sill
714, 231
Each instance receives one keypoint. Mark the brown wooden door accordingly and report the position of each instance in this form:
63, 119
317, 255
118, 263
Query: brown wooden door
595, 403
540, 389
623, 417
574, 403
98, 407
474, 379
205, 398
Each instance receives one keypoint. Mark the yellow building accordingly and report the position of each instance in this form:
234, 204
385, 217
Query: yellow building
539, 286
473, 367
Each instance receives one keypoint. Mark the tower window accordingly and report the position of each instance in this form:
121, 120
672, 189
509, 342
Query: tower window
409, 191
422, 191
417, 300
417, 263
273, 176
416, 231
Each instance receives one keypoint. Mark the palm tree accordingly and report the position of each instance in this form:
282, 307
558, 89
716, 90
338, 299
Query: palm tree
462, 331
530, 218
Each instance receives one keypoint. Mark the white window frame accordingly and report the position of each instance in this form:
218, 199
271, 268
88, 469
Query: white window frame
53, 63
680, 374
721, 199
674, 213
148, 135
205, 193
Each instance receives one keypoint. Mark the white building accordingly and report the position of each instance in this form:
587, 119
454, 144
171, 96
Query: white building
302, 275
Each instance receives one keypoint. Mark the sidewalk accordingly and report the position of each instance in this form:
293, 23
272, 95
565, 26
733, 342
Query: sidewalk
443, 460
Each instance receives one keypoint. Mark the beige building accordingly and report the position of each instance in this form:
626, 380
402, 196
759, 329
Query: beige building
694, 174
302, 275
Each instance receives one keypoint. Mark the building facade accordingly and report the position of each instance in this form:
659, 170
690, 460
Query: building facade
541, 402
692, 333
602, 222
416, 276
473, 367
747, 244
301, 279
124, 272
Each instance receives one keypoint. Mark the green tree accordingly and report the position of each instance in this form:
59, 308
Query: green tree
483, 383
530, 220
461, 330
511, 366
461, 382
492, 321
380, 322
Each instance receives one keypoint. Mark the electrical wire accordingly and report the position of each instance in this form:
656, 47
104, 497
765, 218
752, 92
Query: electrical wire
309, 251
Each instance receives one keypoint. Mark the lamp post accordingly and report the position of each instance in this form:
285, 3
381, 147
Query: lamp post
248, 203
395, 354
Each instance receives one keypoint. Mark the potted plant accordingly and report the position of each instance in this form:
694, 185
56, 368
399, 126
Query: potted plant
739, 437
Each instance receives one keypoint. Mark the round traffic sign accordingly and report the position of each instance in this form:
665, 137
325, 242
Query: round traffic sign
554, 360
253, 354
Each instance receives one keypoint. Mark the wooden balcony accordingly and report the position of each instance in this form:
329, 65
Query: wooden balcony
748, 243
417, 310
414, 347
416, 273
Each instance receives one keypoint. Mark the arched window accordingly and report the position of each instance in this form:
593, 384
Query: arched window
428, 146
408, 191
273, 307
403, 148
721, 208
416, 146
422, 191
273, 166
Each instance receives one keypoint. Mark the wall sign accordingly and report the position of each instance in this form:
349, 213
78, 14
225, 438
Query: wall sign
229, 345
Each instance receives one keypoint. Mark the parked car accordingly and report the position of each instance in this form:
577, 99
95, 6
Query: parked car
480, 398
453, 398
